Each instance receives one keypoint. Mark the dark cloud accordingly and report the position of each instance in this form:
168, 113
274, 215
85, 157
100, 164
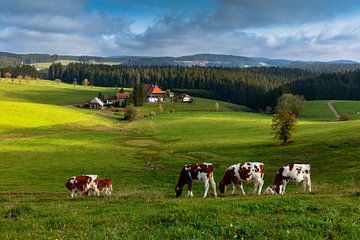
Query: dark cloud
306, 29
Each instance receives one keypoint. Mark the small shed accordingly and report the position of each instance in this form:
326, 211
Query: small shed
96, 103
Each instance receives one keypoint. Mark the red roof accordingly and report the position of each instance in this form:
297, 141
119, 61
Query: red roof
122, 95
153, 89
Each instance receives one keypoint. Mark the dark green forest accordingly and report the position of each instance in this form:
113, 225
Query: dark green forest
256, 87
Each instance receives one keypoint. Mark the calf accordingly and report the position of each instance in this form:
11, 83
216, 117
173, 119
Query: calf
105, 185
299, 173
196, 172
239, 173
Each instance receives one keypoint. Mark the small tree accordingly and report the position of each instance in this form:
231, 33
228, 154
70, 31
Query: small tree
57, 81
121, 90
100, 96
283, 125
216, 106
7, 75
292, 103
75, 82
85, 82
161, 108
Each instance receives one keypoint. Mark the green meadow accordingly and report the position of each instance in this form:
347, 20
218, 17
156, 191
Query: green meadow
44, 141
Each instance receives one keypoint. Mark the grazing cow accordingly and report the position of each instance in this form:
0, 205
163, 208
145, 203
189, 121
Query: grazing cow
105, 185
299, 173
78, 184
239, 173
93, 185
196, 172
83, 184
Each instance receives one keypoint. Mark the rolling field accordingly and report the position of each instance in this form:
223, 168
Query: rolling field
44, 143
348, 107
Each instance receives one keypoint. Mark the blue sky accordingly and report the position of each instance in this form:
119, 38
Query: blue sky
291, 29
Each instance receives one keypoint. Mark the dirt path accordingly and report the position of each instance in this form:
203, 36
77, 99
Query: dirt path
333, 110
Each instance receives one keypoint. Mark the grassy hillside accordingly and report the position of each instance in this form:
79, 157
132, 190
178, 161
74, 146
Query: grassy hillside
317, 110
48, 92
348, 107
43, 145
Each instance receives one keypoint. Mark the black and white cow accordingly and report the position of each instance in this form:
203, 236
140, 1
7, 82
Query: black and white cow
196, 172
299, 173
240, 173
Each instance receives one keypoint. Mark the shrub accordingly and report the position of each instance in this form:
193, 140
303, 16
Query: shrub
345, 117
152, 113
130, 114
161, 108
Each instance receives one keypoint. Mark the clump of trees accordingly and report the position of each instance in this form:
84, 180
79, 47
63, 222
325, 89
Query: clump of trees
139, 95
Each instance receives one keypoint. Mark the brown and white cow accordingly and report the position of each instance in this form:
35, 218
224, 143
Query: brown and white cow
105, 185
196, 172
240, 173
82, 184
299, 173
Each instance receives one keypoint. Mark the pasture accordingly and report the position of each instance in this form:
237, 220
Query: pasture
44, 143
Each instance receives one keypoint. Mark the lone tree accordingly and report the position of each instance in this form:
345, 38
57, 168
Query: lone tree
292, 103
283, 125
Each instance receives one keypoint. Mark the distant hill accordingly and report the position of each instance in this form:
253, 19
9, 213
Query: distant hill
204, 60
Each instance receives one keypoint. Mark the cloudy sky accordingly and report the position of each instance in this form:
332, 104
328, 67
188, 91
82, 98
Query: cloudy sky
292, 29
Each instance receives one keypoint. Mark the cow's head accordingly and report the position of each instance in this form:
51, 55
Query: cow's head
71, 183
270, 190
178, 190
222, 187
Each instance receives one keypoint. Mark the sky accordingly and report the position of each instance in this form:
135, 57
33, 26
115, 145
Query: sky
284, 29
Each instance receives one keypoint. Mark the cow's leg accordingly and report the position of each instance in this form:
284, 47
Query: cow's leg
234, 188
72, 193
308, 183
256, 185
284, 184
242, 188
261, 183
213, 185
206, 183
190, 193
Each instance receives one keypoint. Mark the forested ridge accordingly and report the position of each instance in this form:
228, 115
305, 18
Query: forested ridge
256, 87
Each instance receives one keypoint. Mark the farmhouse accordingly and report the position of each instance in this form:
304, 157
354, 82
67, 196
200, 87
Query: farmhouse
121, 97
154, 94
96, 103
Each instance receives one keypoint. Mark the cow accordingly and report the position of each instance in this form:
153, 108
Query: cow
83, 184
240, 173
93, 185
196, 172
105, 185
293, 172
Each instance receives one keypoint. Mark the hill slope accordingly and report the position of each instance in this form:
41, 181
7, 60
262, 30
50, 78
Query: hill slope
144, 158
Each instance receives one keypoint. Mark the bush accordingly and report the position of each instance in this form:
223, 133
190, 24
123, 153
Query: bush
345, 117
152, 113
130, 114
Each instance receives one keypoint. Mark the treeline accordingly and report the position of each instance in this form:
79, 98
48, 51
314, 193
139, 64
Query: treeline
21, 70
246, 86
341, 86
